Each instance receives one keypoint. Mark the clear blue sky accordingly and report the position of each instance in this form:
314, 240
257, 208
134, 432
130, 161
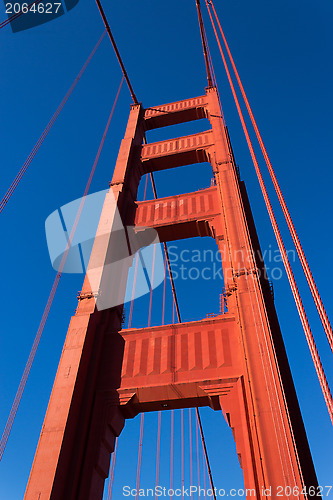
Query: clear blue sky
283, 51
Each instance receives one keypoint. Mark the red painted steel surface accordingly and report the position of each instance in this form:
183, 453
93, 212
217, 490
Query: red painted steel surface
235, 362
176, 152
175, 112
181, 216
179, 365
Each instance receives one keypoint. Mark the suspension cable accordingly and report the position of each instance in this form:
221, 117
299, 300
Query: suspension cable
166, 253
164, 290
47, 129
301, 311
182, 448
206, 453
40, 330
151, 286
190, 441
197, 446
138, 470
204, 471
107, 26
175, 303
158, 449
171, 450
113, 464
135, 271
306, 268
203, 41
18, 14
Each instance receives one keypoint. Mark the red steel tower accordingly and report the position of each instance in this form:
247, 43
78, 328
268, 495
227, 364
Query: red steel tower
234, 362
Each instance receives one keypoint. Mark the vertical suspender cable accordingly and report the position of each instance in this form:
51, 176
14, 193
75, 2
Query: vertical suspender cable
175, 305
190, 440
164, 287
204, 472
135, 271
113, 464
167, 257
47, 129
158, 448
306, 268
40, 330
133, 290
138, 470
198, 454
171, 449
301, 311
151, 286
182, 448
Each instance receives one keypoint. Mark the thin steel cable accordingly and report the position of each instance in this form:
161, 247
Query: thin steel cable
40, 330
176, 306
138, 470
107, 26
18, 14
158, 449
110, 474
133, 290
151, 286
203, 41
182, 448
197, 445
171, 449
47, 129
164, 290
167, 258
301, 311
205, 453
190, 442
305, 265
267, 362
204, 472
135, 271
113, 465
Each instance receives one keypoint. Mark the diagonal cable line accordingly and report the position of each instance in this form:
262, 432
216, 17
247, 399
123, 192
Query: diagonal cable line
47, 129
40, 330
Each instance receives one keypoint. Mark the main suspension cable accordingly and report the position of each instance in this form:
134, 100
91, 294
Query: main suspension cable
306, 268
107, 26
301, 311
203, 41
40, 330
47, 129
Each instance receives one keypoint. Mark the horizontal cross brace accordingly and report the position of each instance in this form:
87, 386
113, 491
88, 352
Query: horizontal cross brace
175, 112
176, 152
181, 216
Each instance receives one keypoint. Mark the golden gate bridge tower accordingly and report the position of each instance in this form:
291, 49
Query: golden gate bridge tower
234, 362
